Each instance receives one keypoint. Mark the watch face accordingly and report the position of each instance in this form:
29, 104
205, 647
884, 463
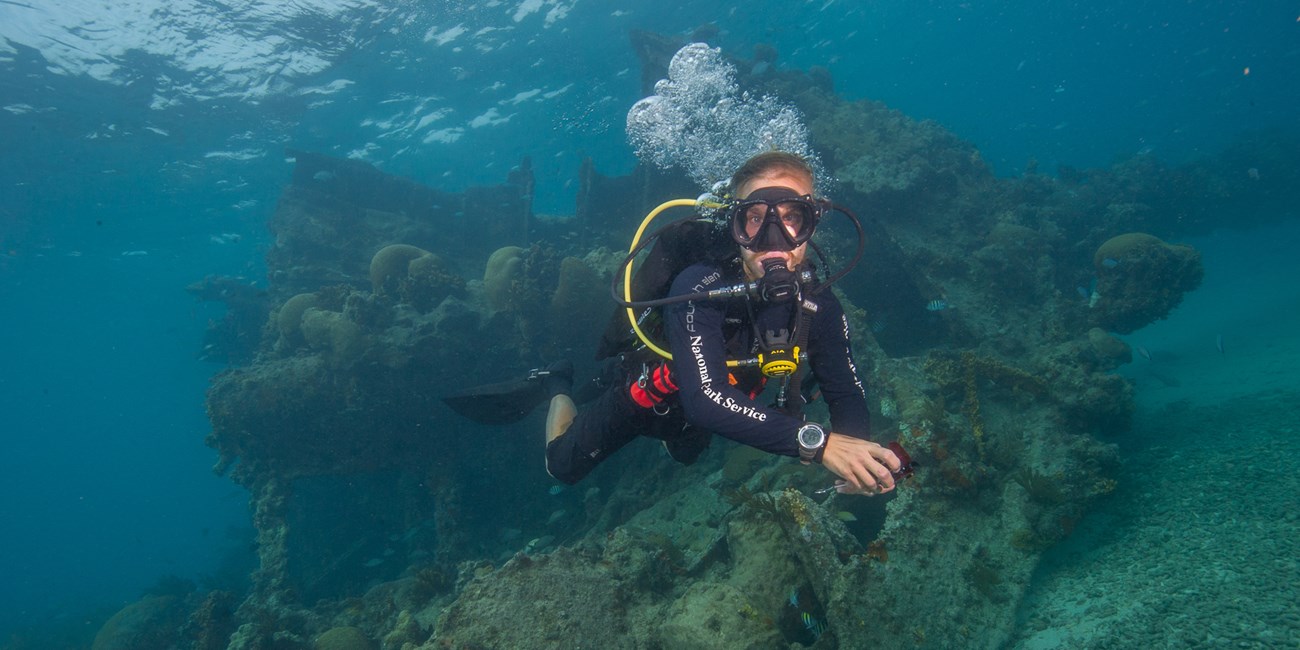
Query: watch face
811, 437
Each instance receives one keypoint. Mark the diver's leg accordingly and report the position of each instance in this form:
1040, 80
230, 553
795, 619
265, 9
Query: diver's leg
560, 416
578, 441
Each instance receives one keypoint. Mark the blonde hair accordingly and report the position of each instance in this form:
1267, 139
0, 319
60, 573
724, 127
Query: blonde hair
770, 161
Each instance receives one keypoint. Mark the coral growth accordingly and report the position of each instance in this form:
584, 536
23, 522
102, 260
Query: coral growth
967, 371
581, 295
151, 622
390, 265
978, 353
712, 616
1046, 489
428, 282
558, 600
1140, 279
332, 333
289, 317
343, 637
501, 279
413, 276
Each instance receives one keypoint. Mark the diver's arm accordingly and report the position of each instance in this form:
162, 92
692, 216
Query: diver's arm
831, 357
700, 372
866, 466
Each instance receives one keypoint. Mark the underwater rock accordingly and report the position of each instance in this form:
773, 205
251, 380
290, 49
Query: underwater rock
683, 525
406, 630
818, 539
712, 616
1140, 279
558, 600
762, 568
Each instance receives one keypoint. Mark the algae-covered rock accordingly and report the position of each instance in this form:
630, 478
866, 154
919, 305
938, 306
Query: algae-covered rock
405, 631
763, 567
343, 638
684, 525
1140, 279
818, 539
560, 600
712, 616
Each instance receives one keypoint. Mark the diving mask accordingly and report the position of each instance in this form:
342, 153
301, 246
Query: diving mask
773, 219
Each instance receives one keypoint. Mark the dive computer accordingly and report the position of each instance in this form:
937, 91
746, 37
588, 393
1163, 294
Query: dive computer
812, 442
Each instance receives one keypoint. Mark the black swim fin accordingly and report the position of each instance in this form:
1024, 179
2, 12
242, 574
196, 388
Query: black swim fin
511, 401
503, 403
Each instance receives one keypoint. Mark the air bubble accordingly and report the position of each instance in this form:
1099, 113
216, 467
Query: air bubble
699, 121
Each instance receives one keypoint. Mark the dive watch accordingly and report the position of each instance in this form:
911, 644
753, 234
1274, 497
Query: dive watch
812, 442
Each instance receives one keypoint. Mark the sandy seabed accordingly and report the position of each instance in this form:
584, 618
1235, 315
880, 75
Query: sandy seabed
1199, 545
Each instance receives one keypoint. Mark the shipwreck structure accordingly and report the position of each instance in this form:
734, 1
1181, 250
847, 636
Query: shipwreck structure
984, 315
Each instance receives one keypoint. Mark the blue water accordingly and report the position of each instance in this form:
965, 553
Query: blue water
132, 148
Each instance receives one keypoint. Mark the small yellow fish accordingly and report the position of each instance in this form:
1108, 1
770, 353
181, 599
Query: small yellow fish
845, 515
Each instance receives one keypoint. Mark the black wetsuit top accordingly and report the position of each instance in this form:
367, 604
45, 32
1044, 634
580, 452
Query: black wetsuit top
703, 334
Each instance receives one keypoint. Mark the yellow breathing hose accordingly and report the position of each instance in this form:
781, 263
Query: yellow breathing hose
627, 276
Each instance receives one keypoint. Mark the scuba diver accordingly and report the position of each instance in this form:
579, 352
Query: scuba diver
744, 311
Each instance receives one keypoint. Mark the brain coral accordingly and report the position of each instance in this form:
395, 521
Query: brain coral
343, 638
580, 296
333, 334
504, 268
289, 318
389, 266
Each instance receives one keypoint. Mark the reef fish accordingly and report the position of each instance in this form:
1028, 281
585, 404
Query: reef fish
936, 305
813, 625
1110, 262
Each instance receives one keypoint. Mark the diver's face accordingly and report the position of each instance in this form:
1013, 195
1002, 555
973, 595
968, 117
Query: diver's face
753, 260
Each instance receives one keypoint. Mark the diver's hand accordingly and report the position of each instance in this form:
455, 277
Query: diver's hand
866, 467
